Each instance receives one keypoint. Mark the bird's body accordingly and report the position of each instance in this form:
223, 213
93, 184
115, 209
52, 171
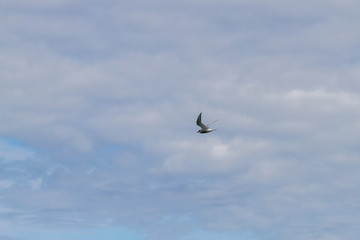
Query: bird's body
204, 128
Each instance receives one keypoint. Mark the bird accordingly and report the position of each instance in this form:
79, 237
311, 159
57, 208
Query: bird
204, 128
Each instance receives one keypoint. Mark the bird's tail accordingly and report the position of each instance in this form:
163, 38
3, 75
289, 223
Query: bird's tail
212, 122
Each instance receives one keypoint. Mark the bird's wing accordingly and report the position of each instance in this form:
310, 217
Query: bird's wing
212, 122
199, 123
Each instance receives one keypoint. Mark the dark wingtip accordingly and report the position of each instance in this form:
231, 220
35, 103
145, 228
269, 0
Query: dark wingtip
198, 120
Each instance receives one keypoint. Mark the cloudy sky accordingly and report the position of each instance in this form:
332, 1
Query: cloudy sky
98, 102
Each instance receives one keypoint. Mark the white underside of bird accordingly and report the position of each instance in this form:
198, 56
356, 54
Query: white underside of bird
204, 128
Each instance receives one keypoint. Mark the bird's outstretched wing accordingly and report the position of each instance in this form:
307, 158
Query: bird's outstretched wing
199, 123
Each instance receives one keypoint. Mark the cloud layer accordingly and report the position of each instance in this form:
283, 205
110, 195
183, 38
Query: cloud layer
98, 104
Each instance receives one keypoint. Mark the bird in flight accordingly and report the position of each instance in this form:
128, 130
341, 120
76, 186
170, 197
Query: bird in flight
204, 128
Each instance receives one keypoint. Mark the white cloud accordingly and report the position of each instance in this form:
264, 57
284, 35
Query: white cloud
5, 184
13, 152
109, 95
35, 184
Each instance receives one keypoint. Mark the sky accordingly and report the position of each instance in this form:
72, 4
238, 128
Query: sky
98, 103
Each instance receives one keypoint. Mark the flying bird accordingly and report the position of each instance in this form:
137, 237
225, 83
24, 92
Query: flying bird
204, 128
